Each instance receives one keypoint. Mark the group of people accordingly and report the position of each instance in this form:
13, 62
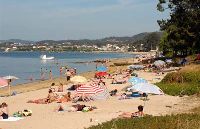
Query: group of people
53, 95
47, 74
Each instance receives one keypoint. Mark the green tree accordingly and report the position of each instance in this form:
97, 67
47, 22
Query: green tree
182, 27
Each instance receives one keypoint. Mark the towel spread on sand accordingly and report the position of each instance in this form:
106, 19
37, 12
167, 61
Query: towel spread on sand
12, 119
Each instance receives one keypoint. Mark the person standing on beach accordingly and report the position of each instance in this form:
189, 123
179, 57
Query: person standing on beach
74, 71
60, 71
42, 74
68, 74
31, 77
50, 75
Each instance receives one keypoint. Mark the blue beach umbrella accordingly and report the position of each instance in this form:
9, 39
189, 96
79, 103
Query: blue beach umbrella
136, 80
101, 69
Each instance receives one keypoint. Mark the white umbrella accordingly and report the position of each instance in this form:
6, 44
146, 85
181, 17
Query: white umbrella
159, 63
10, 78
148, 88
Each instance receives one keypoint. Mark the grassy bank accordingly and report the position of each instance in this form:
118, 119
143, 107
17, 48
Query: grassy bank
184, 82
180, 121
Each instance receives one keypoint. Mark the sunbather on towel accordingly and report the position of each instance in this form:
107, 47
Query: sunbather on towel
74, 108
50, 98
3, 111
38, 101
139, 113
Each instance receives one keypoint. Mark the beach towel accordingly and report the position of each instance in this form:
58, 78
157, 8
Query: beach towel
12, 119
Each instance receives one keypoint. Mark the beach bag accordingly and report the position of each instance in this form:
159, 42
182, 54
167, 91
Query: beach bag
27, 112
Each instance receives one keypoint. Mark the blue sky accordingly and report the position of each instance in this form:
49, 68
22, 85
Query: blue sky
76, 19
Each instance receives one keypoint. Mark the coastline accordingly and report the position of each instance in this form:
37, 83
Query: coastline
38, 84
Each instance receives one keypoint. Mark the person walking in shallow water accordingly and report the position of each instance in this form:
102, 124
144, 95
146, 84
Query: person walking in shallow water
42, 74
61, 71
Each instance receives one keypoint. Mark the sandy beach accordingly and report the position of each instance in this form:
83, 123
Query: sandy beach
44, 117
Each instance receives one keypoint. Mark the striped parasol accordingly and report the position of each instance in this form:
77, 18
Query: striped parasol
89, 89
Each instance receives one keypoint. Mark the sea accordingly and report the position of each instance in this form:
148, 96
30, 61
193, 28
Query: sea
27, 65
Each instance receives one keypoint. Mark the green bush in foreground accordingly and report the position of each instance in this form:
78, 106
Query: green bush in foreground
176, 89
181, 121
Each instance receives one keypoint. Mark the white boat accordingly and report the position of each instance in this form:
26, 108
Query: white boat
44, 57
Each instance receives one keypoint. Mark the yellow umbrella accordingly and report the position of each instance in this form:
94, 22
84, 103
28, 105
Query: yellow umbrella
78, 79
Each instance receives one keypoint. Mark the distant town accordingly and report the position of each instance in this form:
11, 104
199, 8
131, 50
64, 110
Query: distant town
141, 42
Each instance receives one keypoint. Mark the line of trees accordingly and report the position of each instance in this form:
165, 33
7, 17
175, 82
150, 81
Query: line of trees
182, 30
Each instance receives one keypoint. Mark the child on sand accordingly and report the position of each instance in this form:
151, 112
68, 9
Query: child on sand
3, 111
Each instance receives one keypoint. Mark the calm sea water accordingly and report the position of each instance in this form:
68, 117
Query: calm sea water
26, 65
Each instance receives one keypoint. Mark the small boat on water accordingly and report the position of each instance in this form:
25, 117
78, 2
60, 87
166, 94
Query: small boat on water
44, 57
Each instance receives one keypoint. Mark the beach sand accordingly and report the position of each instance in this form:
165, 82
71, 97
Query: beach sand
44, 117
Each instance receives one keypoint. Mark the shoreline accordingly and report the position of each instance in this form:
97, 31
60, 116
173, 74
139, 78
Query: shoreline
38, 84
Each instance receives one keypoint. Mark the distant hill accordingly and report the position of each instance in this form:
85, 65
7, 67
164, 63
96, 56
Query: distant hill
110, 40
149, 40
126, 39
17, 41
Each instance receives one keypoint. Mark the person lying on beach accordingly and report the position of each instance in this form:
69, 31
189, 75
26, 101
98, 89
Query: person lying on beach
50, 98
113, 92
3, 111
77, 107
84, 98
139, 113
74, 108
